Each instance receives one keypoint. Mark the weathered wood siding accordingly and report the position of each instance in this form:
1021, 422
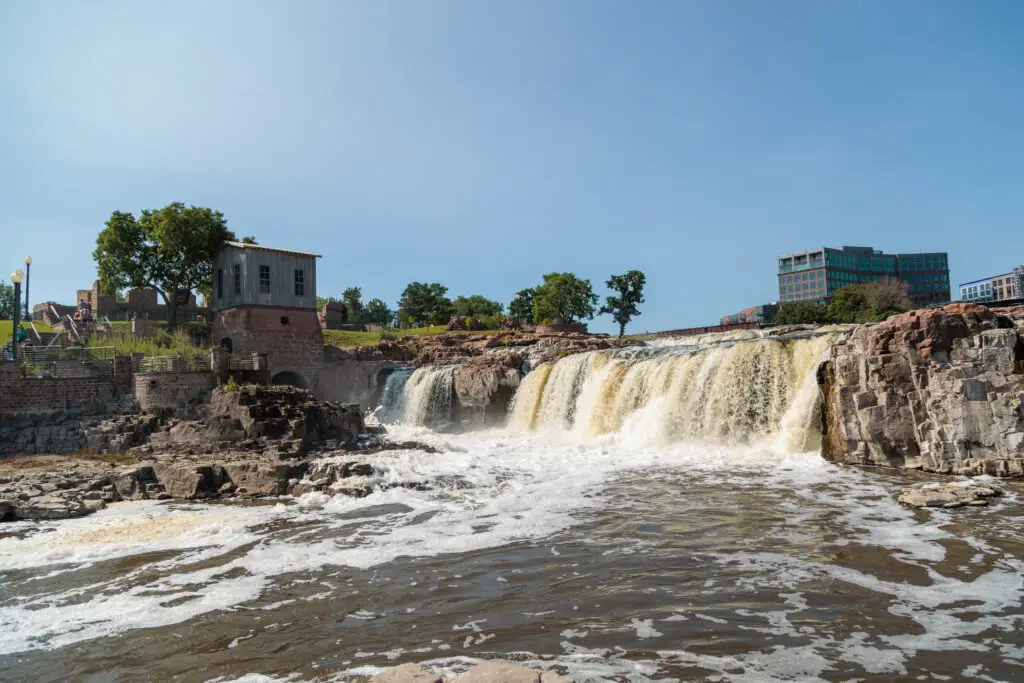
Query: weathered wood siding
282, 279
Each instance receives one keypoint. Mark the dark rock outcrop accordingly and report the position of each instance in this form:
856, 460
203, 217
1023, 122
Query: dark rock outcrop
935, 389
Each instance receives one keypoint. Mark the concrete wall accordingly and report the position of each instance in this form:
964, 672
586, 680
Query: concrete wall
156, 391
354, 381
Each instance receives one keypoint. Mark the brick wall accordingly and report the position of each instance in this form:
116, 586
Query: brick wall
291, 338
20, 395
172, 390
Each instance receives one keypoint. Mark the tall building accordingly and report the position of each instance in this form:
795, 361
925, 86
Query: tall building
1005, 287
816, 274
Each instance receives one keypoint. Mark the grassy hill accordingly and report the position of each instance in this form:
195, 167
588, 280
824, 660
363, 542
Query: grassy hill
7, 325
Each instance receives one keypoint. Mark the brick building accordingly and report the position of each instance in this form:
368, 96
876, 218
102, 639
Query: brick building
264, 300
137, 302
764, 314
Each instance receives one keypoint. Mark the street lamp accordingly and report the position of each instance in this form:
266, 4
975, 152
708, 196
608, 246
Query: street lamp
16, 278
28, 279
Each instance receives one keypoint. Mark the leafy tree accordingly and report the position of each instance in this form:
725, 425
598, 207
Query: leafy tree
476, 306
521, 307
170, 250
353, 299
249, 239
802, 312
563, 297
425, 303
849, 305
7, 303
624, 305
868, 302
376, 311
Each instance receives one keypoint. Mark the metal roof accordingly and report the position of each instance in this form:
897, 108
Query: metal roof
260, 247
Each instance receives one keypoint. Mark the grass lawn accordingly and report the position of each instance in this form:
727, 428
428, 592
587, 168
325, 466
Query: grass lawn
6, 325
344, 339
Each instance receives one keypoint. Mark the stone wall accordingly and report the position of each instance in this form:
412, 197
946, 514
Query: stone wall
936, 389
161, 391
20, 395
292, 340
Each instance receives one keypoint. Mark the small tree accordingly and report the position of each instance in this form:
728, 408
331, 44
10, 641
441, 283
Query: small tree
629, 294
476, 306
802, 313
376, 311
249, 239
425, 303
563, 297
521, 307
170, 250
353, 298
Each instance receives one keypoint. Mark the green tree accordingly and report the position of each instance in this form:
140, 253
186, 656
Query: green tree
476, 306
624, 305
376, 311
802, 313
563, 297
170, 250
521, 307
424, 303
7, 303
353, 299
249, 239
868, 302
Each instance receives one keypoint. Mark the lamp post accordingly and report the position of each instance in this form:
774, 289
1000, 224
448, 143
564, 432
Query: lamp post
28, 280
16, 278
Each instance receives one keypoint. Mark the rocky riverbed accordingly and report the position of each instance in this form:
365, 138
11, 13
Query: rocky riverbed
253, 442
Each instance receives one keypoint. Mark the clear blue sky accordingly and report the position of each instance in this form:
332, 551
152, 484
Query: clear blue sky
482, 143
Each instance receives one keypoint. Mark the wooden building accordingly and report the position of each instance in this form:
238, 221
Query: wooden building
264, 301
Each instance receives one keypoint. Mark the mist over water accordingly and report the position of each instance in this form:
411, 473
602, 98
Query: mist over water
652, 514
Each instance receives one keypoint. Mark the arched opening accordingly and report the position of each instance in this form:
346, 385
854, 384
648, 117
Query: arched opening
289, 378
225, 344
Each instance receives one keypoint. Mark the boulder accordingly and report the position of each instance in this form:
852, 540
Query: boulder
499, 672
484, 387
948, 495
406, 673
190, 480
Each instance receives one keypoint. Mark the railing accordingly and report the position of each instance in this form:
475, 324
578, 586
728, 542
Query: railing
35, 354
800, 267
174, 364
255, 362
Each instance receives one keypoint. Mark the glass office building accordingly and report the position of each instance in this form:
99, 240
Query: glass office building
816, 274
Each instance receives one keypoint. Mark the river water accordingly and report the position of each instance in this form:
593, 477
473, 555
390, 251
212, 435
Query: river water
629, 550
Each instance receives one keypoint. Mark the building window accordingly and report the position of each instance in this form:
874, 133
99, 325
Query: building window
264, 279
220, 283
237, 270
300, 282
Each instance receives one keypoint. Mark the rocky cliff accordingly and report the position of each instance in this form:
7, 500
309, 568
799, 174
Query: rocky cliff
935, 389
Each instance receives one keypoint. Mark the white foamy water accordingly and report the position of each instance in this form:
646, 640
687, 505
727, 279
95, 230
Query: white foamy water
649, 515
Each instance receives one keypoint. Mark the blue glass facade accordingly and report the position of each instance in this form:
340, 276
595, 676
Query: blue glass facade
816, 274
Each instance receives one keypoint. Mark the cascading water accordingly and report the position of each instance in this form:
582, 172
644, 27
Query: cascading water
428, 396
739, 392
392, 398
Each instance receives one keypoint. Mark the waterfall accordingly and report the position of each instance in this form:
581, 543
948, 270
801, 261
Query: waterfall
428, 395
751, 389
392, 398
